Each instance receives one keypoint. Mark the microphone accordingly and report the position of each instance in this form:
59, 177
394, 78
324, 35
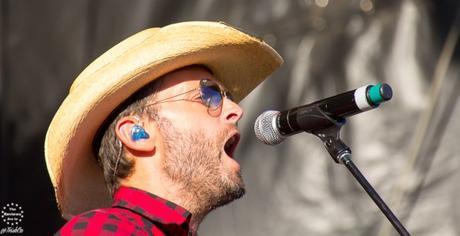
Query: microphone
272, 127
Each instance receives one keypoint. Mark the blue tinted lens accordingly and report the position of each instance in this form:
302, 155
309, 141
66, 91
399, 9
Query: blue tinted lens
211, 95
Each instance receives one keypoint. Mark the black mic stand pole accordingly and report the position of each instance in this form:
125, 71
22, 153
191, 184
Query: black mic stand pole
341, 153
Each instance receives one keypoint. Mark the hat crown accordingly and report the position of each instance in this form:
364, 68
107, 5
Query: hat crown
116, 51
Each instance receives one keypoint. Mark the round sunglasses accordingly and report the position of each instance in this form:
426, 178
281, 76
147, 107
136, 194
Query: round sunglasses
211, 95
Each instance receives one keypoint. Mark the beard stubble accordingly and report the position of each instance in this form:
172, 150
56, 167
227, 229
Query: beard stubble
193, 162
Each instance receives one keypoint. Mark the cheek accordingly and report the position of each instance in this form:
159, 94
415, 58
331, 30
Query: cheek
191, 118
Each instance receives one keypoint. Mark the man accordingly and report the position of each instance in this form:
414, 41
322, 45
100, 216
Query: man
144, 142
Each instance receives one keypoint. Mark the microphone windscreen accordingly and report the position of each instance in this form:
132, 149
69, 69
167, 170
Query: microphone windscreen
266, 129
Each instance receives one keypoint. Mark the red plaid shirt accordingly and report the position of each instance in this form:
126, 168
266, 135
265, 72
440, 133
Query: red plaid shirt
133, 212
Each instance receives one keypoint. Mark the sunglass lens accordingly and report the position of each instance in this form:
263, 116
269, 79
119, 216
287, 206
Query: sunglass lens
211, 96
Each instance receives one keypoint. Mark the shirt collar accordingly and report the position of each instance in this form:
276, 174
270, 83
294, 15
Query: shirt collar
151, 206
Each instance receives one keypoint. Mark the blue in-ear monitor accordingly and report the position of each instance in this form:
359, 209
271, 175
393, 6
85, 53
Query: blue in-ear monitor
138, 132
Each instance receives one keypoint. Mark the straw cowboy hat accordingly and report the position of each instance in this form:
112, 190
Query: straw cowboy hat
239, 61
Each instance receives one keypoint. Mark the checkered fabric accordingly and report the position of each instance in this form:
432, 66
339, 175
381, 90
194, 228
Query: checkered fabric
133, 212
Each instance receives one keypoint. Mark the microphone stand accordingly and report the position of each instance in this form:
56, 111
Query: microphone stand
341, 153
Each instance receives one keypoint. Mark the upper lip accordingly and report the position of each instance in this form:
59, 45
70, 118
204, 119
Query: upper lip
231, 143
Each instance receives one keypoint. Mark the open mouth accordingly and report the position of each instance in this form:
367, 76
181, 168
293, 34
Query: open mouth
230, 145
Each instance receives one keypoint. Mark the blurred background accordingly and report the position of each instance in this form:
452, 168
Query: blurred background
408, 149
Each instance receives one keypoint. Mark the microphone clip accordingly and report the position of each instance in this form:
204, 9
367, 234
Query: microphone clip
332, 142
329, 133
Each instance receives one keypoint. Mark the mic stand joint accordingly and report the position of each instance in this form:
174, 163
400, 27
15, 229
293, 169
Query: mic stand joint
332, 142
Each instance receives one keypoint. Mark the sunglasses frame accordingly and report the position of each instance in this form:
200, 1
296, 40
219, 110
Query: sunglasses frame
204, 84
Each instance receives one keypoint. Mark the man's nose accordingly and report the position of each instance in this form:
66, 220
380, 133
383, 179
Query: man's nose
231, 112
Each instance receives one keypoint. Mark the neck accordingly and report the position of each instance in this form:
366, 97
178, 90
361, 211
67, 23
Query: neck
167, 189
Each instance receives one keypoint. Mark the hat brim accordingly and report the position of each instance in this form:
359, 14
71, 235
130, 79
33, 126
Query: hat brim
239, 61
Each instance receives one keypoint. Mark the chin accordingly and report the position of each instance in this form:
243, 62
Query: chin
229, 196
231, 189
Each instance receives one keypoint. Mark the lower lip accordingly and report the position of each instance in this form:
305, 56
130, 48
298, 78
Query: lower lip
231, 162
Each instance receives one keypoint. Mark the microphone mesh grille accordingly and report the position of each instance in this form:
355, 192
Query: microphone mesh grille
266, 130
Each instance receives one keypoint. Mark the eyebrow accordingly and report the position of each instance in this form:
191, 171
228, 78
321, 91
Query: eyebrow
167, 98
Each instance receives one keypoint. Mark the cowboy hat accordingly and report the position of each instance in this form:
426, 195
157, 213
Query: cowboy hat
239, 61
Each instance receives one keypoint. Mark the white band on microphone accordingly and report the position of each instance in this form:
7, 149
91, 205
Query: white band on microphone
361, 99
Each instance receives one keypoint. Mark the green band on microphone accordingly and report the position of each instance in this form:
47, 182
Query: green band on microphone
374, 94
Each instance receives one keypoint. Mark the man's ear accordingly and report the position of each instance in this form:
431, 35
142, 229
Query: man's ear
128, 129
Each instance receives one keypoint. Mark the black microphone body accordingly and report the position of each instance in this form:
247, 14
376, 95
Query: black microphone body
320, 114
316, 115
